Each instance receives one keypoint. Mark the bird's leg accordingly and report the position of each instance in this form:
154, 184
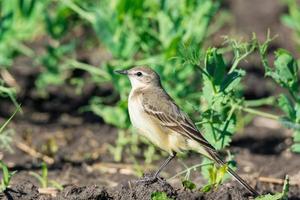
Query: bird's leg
167, 161
155, 176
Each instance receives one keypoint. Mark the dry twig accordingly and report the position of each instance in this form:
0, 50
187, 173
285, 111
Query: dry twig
32, 152
50, 191
272, 180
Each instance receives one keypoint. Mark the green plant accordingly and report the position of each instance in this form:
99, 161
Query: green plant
6, 135
148, 32
278, 196
24, 23
188, 184
44, 180
292, 19
159, 196
221, 97
145, 32
285, 74
8, 92
216, 176
55, 72
6, 176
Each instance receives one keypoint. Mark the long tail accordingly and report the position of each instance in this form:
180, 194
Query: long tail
217, 158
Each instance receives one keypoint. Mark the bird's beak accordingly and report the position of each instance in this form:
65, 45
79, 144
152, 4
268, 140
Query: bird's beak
125, 72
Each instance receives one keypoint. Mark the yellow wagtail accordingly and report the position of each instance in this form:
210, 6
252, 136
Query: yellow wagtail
156, 116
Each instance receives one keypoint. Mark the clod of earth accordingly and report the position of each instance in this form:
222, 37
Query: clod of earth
132, 190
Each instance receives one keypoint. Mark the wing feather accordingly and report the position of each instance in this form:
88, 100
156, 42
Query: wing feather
173, 118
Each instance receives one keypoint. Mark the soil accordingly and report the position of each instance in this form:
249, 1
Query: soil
77, 144
26, 190
261, 151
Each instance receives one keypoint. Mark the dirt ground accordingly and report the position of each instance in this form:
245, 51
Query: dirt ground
77, 144
84, 166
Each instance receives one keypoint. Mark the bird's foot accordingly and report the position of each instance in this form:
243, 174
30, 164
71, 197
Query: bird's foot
147, 180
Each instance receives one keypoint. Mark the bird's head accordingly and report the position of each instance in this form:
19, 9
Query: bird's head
141, 76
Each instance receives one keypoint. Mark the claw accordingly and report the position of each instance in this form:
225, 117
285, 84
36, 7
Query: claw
150, 180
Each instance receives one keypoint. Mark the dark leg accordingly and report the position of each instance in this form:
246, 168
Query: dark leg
167, 161
155, 177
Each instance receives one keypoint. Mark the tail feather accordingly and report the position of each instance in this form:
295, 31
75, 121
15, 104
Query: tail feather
243, 182
217, 158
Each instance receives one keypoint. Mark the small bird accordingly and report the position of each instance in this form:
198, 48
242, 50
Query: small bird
157, 117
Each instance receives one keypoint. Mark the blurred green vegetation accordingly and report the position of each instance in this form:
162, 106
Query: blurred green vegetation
6, 176
139, 32
286, 74
292, 19
172, 37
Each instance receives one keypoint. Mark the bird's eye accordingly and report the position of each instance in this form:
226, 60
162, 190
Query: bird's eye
139, 74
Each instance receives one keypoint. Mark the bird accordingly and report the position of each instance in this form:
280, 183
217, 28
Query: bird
157, 117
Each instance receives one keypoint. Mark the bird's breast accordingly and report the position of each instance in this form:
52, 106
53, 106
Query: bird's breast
138, 117
149, 127
145, 124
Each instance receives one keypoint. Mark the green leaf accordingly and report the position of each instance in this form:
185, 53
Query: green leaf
297, 108
278, 196
207, 188
205, 166
219, 134
215, 65
44, 175
9, 119
115, 115
26, 7
286, 70
6, 175
232, 80
221, 172
286, 187
56, 185
159, 196
296, 147
270, 197
38, 177
208, 90
43, 178
6, 21
187, 184
286, 106
165, 29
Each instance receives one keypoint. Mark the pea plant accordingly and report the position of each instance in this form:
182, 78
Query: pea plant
222, 97
221, 100
206, 85
147, 32
23, 22
285, 73
291, 19
283, 195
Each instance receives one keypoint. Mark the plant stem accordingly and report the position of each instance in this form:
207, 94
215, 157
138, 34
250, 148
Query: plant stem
260, 113
239, 59
86, 15
189, 169
294, 96
260, 102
